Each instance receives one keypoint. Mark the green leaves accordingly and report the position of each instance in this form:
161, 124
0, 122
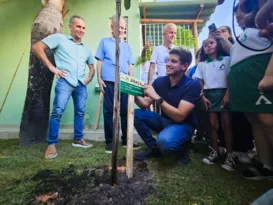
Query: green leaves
184, 38
127, 4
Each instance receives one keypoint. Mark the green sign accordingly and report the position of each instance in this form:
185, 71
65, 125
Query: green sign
131, 85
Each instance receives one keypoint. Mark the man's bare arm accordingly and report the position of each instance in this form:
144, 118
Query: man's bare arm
143, 103
177, 114
100, 81
90, 75
39, 51
131, 70
151, 73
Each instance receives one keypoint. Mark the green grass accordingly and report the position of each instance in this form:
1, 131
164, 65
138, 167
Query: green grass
197, 183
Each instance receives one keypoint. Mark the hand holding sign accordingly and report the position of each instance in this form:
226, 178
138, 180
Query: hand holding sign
131, 85
150, 92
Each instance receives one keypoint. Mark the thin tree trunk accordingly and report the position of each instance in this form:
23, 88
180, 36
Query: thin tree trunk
35, 117
116, 111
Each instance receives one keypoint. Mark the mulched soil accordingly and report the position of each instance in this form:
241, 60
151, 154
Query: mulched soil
92, 186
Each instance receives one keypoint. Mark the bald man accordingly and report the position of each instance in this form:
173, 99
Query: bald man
160, 53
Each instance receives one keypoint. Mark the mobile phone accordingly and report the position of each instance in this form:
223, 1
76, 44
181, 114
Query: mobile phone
212, 28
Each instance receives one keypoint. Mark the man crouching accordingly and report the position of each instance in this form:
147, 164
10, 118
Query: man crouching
177, 95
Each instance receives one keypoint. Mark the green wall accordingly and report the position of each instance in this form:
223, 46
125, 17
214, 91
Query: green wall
16, 18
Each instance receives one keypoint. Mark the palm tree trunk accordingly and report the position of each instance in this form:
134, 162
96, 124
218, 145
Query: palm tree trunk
34, 123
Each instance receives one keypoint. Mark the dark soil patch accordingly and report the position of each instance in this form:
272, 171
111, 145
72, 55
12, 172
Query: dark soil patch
92, 186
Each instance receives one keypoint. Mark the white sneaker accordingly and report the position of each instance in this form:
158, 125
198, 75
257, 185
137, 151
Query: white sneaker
213, 157
229, 163
252, 154
243, 157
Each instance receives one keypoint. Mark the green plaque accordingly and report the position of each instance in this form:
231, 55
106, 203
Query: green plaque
131, 85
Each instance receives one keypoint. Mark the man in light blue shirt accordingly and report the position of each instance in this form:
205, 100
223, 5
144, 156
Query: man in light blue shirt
71, 57
106, 56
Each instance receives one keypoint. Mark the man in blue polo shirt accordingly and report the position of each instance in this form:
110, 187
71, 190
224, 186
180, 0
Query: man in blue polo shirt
106, 56
177, 95
71, 57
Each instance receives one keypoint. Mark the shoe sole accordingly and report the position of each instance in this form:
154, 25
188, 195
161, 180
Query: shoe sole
82, 146
135, 148
51, 156
206, 161
108, 152
258, 178
227, 168
244, 161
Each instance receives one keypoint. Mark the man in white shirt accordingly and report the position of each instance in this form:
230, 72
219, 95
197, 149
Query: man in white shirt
160, 53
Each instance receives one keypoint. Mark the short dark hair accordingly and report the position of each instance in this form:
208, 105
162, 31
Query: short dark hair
71, 20
185, 57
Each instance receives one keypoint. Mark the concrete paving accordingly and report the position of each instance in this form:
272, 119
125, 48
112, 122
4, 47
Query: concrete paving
66, 133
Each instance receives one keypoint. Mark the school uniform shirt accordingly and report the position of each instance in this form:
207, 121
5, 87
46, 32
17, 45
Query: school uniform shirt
250, 38
213, 72
160, 58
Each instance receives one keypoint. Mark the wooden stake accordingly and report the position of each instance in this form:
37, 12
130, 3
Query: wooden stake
175, 21
130, 137
13, 77
98, 112
195, 35
116, 110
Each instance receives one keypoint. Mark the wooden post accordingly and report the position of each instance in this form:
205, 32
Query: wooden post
116, 110
195, 35
98, 112
13, 77
130, 137
175, 21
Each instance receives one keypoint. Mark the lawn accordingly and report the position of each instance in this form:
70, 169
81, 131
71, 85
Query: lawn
197, 184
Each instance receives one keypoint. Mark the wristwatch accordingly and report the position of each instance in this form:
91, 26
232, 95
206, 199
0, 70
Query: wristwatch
159, 101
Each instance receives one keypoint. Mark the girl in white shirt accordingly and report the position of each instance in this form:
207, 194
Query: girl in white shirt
213, 71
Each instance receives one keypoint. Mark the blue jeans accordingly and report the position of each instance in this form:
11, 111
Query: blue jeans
171, 136
108, 106
63, 91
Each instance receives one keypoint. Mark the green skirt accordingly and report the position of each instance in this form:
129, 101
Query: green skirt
244, 78
215, 96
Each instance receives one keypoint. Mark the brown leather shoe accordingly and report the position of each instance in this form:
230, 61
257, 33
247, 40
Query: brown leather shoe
81, 143
51, 152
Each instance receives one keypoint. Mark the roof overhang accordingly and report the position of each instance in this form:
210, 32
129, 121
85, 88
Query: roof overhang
183, 9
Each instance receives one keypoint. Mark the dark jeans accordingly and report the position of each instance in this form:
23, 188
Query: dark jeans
108, 106
171, 136
63, 91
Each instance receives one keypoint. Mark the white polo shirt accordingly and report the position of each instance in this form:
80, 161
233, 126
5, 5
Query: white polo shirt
159, 57
213, 72
250, 37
